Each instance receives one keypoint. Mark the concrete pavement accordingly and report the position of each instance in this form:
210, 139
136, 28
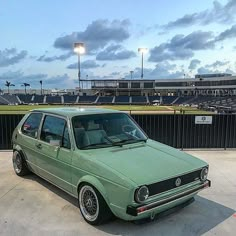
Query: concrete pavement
32, 206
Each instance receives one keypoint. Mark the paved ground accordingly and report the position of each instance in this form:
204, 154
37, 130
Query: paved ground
31, 206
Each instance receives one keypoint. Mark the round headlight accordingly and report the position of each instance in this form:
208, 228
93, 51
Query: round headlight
204, 173
141, 194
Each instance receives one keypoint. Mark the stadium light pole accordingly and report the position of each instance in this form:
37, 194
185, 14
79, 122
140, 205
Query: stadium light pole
142, 51
131, 74
41, 85
79, 49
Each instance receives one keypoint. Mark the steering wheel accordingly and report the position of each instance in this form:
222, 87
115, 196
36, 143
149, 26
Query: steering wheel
128, 129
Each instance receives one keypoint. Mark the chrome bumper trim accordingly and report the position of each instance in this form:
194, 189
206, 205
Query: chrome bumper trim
135, 211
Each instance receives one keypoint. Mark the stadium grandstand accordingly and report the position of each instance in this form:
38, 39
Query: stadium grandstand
215, 91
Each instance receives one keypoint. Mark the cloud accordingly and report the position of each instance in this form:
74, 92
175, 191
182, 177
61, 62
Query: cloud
115, 52
229, 33
182, 47
97, 35
219, 13
115, 73
56, 80
193, 64
62, 57
19, 77
217, 64
206, 70
163, 70
89, 64
11, 56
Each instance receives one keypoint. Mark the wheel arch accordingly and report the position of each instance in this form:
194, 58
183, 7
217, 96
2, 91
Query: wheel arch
91, 180
19, 149
23, 155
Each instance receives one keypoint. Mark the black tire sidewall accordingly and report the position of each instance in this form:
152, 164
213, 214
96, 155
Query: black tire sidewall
104, 213
24, 168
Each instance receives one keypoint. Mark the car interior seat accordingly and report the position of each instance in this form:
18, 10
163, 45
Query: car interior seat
95, 136
87, 137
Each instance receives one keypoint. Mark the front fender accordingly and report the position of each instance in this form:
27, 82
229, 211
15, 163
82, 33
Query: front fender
95, 183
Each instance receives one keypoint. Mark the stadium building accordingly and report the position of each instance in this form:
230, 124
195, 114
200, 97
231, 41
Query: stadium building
200, 85
205, 91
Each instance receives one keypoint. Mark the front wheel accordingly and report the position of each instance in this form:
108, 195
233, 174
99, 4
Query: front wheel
92, 205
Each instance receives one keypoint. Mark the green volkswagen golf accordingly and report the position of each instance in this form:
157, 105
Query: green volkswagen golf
104, 159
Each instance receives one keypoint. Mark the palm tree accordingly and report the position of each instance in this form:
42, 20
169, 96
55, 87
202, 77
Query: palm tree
8, 84
26, 85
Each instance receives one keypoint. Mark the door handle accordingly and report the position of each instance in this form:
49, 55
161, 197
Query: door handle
39, 146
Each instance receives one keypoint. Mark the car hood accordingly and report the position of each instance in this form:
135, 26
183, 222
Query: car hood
146, 163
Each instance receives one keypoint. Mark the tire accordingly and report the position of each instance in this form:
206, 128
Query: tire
92, 205
19, 164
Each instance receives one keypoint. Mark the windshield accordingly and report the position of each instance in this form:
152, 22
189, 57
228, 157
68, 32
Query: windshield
105, 130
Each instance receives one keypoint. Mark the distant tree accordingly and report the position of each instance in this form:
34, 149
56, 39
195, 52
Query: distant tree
8, 85
26, 85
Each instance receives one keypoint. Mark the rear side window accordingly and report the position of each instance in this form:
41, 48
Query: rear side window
55, 131
31, 125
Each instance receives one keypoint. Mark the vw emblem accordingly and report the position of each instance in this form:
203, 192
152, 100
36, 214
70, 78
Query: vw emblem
178, 182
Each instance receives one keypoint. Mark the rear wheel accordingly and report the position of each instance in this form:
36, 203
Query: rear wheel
92, 205
19, 164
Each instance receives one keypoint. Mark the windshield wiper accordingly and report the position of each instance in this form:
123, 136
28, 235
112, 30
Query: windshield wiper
131, 139
95, 145
141, 140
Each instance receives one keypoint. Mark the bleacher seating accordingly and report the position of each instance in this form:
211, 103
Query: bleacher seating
121, 100
204, 101
139, 100
70, 98
168, 100
25, 98
12, 99
53, 99
183, 100
201, 99
38, 99
87, 99
105, 100
3, 101
154, 98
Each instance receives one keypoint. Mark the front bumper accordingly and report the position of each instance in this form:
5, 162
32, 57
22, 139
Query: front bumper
140, 210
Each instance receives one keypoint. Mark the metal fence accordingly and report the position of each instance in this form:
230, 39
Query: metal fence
7, 126
179, 131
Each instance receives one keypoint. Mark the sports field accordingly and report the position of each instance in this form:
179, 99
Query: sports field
22, 109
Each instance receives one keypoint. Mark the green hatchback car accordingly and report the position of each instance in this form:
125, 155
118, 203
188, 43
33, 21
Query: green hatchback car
104, 159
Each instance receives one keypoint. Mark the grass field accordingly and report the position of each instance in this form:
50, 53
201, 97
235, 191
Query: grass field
22, 109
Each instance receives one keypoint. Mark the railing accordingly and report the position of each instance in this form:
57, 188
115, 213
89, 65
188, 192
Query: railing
176, 130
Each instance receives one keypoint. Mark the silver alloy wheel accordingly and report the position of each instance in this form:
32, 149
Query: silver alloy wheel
17, 162
88, 202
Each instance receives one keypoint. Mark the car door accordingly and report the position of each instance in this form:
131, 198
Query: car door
55, 151
27, 138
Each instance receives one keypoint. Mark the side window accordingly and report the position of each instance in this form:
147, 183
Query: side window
31, 125
55, 131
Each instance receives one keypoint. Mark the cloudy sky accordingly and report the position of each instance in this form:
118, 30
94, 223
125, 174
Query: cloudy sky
183, 37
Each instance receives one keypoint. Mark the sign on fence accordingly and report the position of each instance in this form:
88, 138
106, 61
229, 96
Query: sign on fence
203, 120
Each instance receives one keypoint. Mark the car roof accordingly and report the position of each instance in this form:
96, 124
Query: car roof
75, 111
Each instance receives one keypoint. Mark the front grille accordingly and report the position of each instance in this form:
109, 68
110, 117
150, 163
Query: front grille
169, 184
